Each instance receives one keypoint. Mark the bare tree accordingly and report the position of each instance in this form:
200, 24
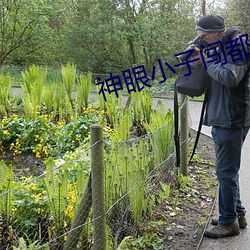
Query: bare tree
203, 7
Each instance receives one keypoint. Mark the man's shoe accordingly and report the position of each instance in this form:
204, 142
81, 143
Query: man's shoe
221, 231
241, 219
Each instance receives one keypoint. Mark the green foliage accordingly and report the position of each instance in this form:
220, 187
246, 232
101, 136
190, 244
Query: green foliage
141, 106
57, 188
43, 137
51, 199
147, 241
136, 181
83, 90
161, 126
48, 98
15, 71
164, 191
55, 98
126, 171
68, 74
63, 104
59, 101
102, 103
176, 199
102, 36
123, 124
164, 89
5, 90
127, 161
114, 108
30, 206
33, 85
6, 184
184, 181
29, 245
22, 134
23, 28
73, 134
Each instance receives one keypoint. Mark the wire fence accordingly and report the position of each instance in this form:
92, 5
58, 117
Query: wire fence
95, 202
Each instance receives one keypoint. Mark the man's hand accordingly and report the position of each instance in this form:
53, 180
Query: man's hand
200, 61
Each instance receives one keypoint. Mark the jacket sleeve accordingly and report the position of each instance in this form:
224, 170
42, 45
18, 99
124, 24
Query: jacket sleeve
231, 73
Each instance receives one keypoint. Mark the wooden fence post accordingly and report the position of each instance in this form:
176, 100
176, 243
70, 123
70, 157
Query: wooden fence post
98, 195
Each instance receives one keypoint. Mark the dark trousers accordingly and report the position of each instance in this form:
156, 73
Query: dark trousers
228, 145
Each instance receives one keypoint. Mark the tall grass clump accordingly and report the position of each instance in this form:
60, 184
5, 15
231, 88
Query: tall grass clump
141, 109
83, 90
6, 184
34, 80
48, 98
68, 75
5, 90
113, 107
161, 130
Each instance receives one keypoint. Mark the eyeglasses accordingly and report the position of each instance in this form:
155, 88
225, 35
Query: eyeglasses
203, 36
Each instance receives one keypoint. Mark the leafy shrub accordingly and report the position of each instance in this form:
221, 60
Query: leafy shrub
44, 138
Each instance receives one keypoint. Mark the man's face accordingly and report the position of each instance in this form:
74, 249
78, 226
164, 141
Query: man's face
209, 37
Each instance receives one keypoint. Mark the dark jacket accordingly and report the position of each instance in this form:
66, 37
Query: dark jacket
228, 103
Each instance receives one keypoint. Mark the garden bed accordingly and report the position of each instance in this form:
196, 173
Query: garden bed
178, 222
150, 205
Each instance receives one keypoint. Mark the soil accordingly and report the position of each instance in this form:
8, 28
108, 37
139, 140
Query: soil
24, 164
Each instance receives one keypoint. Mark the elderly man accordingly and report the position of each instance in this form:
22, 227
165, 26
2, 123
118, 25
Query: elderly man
228, 112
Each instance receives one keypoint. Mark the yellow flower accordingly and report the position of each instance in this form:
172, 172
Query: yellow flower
103, 112
16, 152
31, 187
38, 155
69, 211
26, 178
73, 199
6, 132
37, 196
14, 209
45, 151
